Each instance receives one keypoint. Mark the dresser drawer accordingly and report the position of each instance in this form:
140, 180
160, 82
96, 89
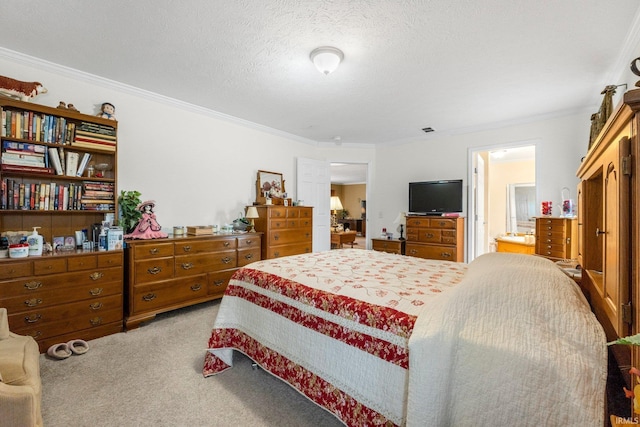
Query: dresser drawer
247, 256
11, 270
152, 270
277, 212
72, 325
189, 265
442, 223
83, 262
445, 253
284, 237
155, 250
417, 222
390, 246
110, 259
53, 296
218, 281
292, 249
29, 287
193, 247
40, 315
161, 294
49, 266
430, 235
247, 241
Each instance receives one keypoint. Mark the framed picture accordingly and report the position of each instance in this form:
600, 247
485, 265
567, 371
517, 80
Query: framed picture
70, 242
58, 242
269, 185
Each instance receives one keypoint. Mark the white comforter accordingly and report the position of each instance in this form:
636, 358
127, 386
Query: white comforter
513, 344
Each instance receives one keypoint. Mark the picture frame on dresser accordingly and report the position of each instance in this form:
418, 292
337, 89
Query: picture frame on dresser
269, 183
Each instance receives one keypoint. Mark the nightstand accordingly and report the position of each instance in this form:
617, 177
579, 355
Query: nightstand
393, 246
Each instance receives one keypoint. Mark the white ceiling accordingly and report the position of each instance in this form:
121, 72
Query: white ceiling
454, 65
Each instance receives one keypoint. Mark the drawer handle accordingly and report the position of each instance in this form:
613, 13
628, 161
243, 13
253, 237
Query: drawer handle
599, 232
442, 223
196, 287
95, 291
186, 248
36, 334
413, 251
33, 302
226, 244
307, 235
95, 306
33, 318
445, 255
248, 242
429, 235
226, 260
33, 285
149, 297
218, 282
248, 256
187, 266
276, 254
154, 270
153, 251
96, 321
96, 275
276, 237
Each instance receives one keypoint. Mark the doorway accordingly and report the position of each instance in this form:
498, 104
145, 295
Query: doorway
349, 184
494, 174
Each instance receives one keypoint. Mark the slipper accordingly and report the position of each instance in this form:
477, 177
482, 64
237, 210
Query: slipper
78, 346
59, 351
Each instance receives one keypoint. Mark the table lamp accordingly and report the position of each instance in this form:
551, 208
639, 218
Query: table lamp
401, 219
252, 213
336, 205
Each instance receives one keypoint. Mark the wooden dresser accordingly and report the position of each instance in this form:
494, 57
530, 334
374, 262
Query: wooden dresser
287, 230
57, 298
435, 238
557, 238
392, 246
165, 274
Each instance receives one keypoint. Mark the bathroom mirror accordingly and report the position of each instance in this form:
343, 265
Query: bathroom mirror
521, 207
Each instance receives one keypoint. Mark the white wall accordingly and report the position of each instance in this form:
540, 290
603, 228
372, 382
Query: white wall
200, 168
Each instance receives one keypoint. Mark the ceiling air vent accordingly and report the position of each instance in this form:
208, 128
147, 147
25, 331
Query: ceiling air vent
427, 130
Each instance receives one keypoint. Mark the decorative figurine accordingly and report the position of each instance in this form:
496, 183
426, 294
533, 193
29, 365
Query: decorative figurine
23, 91
107, 111
147, 227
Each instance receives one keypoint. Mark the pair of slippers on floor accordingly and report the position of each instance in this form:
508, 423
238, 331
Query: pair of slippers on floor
66, 349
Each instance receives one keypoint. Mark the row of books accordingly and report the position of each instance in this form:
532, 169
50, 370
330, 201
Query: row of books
51, 129
36, 127
95, 136
48, 196
35, 158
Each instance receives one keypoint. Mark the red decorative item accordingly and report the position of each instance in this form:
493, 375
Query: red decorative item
147, 227
546, 208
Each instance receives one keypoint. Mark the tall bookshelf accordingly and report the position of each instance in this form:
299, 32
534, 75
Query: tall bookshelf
31, 127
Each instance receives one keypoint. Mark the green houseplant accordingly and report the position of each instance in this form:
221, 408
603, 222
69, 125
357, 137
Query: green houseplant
128, 214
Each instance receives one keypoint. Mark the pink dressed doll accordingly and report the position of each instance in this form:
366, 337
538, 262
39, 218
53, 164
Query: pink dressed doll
147, 227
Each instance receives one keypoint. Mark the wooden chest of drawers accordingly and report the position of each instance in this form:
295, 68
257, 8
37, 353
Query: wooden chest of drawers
392, 246
56, 298
166, 274
557, 238
287, 230
435, 238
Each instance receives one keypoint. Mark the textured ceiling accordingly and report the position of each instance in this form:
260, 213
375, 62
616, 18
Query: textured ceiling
454, 65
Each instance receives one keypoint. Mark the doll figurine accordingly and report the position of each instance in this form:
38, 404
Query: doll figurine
107, 111
147, 227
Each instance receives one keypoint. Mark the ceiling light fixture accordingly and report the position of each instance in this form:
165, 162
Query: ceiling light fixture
326, 59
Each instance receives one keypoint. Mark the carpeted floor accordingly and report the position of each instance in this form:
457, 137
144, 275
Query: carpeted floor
152, 376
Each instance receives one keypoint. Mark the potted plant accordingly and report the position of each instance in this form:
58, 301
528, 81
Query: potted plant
128, 214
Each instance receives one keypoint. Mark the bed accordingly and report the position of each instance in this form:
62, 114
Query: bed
384, 339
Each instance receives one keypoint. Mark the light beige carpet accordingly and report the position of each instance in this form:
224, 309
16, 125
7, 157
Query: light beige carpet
152, 376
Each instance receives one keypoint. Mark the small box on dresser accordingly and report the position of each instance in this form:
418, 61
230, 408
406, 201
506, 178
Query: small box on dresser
166, 274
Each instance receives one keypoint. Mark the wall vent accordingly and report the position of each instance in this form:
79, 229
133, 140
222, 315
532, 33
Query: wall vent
427, 130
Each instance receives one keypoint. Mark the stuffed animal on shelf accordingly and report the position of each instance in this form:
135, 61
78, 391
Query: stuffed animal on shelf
23, 91
107, 111
147, 227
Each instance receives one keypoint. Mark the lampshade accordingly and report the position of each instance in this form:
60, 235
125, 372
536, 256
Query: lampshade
400, 219
336, 205
252, 212
326, 59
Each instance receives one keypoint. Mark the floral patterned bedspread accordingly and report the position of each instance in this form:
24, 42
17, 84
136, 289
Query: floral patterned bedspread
335, 325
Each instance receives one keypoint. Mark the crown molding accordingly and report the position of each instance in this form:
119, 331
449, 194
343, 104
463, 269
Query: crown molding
72, 73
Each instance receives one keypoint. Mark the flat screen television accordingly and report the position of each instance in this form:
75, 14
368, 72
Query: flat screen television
435, 197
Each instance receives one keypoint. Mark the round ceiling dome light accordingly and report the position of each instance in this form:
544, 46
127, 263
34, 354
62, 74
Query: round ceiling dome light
326, 59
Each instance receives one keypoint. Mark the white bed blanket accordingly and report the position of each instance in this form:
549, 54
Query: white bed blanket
514, 344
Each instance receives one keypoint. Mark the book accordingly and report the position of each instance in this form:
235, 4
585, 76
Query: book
83, 164
94, 146
199, 230
55, 161
26, 169
94, 135
72, 163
